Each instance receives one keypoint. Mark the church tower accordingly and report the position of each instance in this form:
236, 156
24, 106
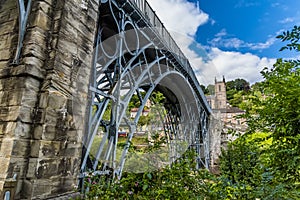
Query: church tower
220, 94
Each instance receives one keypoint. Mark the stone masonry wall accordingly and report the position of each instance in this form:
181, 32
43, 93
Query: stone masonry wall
43, 99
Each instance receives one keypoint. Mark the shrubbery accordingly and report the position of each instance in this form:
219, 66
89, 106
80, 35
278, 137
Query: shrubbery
262, 164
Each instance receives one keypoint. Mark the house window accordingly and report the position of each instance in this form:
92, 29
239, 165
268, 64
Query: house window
219, 88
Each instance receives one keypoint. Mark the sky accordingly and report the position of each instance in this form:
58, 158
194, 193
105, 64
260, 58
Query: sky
234, 38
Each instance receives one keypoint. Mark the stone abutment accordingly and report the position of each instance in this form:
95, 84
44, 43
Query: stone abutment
43, 97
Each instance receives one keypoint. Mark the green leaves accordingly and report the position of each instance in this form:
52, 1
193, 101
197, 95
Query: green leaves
293, 37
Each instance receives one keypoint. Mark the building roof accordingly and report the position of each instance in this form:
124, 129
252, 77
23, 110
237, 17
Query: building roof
230, 110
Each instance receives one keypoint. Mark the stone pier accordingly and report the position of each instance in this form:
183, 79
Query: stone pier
43, 97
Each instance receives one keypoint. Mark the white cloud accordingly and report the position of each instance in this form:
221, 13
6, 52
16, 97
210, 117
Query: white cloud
222, 33
236, 65
179, 15
182, 18
223, 40
244, 3
287, 20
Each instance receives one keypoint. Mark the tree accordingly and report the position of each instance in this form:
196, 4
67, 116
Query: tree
279, 113
211, 89
235, 90
204, 89
238, 85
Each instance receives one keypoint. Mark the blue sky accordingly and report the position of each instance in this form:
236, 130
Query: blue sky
248, 25
235, 38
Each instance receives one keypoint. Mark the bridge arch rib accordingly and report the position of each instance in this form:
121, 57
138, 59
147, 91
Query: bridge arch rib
134, 58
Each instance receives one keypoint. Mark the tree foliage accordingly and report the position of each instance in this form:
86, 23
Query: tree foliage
262, 164
265, 162
238, 85
279, 112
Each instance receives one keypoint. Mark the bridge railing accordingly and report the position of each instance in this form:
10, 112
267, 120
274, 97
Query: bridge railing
170, 43
149, 13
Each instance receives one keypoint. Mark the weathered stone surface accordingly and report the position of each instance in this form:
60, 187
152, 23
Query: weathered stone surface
6, 54
22, 130
8, 27
21, 148
43, 99
41, 188
3, 64
10, 113
39, 19
4, 163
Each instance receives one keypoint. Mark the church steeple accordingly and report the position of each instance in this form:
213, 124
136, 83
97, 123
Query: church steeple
220, 94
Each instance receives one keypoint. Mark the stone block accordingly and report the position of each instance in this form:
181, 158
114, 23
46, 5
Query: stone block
12, 14
36, 50
63, 185
4, 16
35, 148
46, 168
70, 31
8, 5
70, 11
29, 98
5, 54
14, 97
37, 36
22, 130
17, 83
49, 149
4, 164
39, 19
93, 15
27, 189
7, 128
43, 101
67, 45
21, 148
72, 149
18, 97
3, 42
86, 57
1, 185
49, 133
56, 100
25, 114
3, 98
34, 66
6, 147
41, 188
38, 116
84, 41
3, 64
38, 131
43, 6
8, 27
74, 136
63, 69
32, 166
32, 84
18, 166
10, 113
94, 5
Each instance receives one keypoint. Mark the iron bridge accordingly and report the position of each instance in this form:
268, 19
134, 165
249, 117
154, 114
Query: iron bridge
135, 56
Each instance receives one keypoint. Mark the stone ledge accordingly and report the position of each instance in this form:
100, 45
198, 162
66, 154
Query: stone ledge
22, 70
74, 195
